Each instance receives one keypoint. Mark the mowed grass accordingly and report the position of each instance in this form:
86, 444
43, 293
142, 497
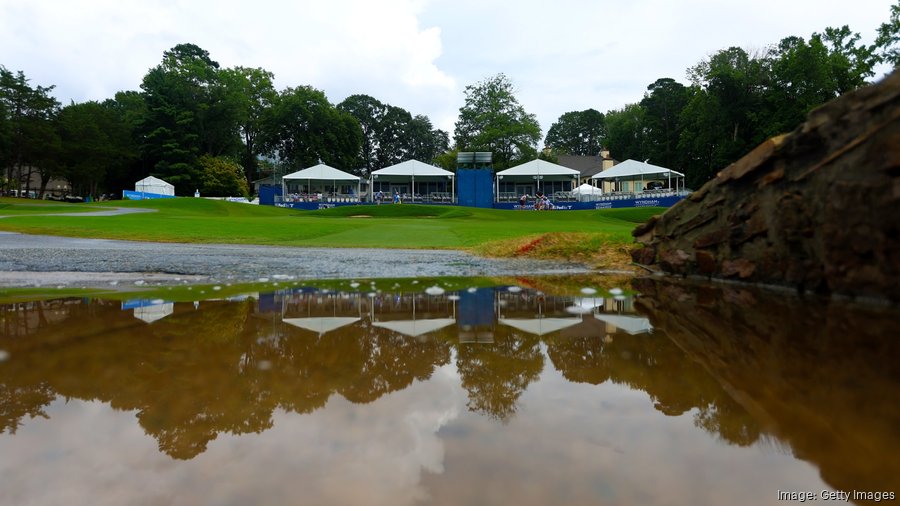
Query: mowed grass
377, 226
17, 207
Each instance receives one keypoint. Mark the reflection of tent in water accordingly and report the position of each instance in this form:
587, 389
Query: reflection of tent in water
150, 314
415, 328
540, 326
321, 325
630, 324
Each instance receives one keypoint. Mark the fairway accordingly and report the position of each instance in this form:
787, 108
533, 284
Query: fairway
384, 226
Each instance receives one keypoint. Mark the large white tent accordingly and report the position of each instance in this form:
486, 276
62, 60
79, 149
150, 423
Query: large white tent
415, 328
321, 325
630, 324
411, 170
537, 172
321, 175
155, 185
633, 170
540, 326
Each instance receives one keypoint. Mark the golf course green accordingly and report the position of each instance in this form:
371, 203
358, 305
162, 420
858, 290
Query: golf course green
560, 234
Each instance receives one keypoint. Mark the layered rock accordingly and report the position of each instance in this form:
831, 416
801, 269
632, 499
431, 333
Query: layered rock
817, 209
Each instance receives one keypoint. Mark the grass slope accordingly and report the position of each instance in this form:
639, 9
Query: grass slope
384, 226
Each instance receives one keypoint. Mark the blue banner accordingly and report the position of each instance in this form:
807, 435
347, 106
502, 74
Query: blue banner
133, 195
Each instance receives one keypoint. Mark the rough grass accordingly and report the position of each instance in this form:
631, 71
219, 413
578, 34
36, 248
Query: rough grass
598, 249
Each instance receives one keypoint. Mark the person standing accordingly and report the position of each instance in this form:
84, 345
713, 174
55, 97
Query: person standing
397, 197
523, 200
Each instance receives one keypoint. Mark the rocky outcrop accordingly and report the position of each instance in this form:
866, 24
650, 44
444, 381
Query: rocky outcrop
817, 209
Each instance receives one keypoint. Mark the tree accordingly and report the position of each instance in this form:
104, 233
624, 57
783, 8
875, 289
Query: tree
302, 128
222, 177
662, 108
391, 134
888, 41
626, 132
96, 144
578, 133
252, 91
190, 112
30, 129
493, 120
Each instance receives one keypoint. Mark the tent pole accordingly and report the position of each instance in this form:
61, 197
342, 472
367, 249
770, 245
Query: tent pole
452, 191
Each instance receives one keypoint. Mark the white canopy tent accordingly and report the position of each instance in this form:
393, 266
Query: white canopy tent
537, 171
633, 170
586, 192
415, 328
321, 174
321, 325
153, 313
630, 324
156, 185
409, 171
540, 326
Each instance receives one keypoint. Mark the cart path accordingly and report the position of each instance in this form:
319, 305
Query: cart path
101, 211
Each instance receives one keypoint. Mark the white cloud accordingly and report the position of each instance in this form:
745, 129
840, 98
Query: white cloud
563, 56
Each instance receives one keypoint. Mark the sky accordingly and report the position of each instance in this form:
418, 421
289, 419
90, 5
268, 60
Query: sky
566, 55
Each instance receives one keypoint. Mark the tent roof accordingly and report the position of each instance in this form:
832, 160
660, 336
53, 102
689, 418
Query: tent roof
151, 314
630, 324
539, 168
540, 326
322, 172
415, 328
150, 180
320, 325
587, 189
412, 168
633, 168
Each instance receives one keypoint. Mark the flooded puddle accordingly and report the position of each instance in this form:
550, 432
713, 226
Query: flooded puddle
529, 392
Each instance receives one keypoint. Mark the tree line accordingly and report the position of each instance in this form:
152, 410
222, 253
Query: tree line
735, 99
201, 126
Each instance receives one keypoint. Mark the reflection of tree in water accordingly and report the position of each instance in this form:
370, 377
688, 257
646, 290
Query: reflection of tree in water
198, 373
17, 402
393, 362
653, 364
495, 375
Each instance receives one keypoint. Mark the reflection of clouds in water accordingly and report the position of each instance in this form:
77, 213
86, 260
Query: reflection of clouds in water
607, 445
342, 454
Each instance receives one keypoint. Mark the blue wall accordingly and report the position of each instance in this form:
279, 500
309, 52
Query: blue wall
475, 187
267, 193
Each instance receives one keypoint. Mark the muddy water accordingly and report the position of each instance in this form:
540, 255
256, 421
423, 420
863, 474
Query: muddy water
501, 395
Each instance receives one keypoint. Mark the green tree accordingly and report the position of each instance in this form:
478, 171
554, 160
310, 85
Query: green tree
96, 144
391, 134
493, 120
190, 112
662, 108
222, 177
252, 91
303, 128
626, 132
888, 41
33, 144
578, 133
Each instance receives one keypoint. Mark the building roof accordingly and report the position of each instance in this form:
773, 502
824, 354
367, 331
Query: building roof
538, 168
412, 168
322, 172
634, 168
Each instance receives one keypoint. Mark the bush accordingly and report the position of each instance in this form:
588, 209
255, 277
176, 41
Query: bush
222, 177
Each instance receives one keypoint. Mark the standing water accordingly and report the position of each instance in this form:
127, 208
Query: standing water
532, 391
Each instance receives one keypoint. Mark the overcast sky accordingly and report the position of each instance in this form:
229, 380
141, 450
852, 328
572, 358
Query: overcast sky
417, 54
